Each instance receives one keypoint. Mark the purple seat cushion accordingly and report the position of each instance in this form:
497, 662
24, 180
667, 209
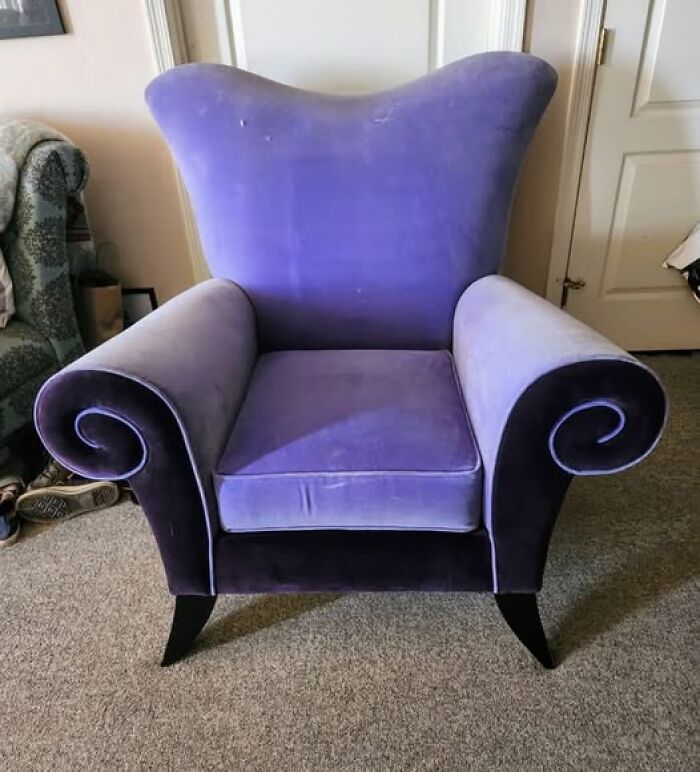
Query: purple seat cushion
351, 440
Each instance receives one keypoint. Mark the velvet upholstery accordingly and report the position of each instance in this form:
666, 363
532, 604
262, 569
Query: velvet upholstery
359, 561
156, 405
548, 397
386, 206
351, 439
353, 228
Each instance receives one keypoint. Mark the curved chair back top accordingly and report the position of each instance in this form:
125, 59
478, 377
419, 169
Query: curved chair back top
354, 221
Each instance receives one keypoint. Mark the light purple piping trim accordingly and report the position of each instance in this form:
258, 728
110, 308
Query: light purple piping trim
394, 528
190, 453
600, 441
488, 482
116, 417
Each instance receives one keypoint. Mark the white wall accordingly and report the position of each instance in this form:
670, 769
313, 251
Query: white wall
550, 33
89, 84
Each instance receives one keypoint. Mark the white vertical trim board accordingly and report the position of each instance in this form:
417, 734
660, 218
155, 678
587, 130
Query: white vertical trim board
507, 25
436, 34
224, 31
236, 33
577, 119
169, 50
167, 39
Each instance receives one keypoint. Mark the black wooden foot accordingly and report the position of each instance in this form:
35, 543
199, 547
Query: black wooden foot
191, 614
523, 617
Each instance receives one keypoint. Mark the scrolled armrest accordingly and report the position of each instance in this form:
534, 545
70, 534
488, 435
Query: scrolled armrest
155, 405
548, 398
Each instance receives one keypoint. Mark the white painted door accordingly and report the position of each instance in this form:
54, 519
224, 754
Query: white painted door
640, 189
351, 46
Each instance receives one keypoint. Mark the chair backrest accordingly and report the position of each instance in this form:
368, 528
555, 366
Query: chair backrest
355, 221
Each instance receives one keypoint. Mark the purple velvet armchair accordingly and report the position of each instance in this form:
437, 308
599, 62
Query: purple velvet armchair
356, 402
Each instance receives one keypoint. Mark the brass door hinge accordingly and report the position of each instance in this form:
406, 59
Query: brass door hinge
570, 284
602, 47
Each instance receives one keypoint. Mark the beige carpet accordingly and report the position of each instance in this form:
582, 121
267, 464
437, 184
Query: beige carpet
369, 682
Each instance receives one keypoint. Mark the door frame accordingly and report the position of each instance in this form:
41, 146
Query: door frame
506, 30
169, 49
591, 19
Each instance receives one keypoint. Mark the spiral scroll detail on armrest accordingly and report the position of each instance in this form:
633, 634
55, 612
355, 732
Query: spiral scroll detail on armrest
109, 426
98, 422
579, 447
139, 458
591, 417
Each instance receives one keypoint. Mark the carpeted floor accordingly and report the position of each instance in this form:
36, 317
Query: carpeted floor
370, 682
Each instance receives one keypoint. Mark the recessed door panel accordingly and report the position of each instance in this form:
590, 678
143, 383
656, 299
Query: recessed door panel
658, 198
354, 46
671, 53
640, 187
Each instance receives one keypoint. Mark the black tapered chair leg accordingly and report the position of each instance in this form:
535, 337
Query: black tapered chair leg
523, 617
190, 616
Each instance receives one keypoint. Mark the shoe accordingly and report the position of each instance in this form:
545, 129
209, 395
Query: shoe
9, 531
11, 486
62, 502
52, 474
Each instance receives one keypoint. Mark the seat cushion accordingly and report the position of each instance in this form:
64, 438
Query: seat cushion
351, 440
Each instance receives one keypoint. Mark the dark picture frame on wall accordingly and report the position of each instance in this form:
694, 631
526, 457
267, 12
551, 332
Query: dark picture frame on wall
29, 18
138, 302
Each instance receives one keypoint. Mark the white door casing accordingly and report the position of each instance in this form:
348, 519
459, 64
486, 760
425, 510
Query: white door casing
640, 186
169, 50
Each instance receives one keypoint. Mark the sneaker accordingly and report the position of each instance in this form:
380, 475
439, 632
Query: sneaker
52, 474
9, 531
62, 502
11, 486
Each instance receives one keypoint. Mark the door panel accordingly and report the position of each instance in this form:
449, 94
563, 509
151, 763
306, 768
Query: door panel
670, 49
659, 193
351, 46
640, 188
344, 45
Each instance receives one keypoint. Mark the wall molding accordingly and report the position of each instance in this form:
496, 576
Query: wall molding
224, 31
167, 38
169, 50
507, 25
577, 120
236, 33
436, 34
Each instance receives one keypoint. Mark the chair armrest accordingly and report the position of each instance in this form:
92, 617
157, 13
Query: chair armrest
155, 405
35, 248
548, 398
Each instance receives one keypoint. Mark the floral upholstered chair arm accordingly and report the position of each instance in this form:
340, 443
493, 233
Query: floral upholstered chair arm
35, 245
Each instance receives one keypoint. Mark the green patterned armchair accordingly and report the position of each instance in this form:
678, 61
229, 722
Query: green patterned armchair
45, 243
